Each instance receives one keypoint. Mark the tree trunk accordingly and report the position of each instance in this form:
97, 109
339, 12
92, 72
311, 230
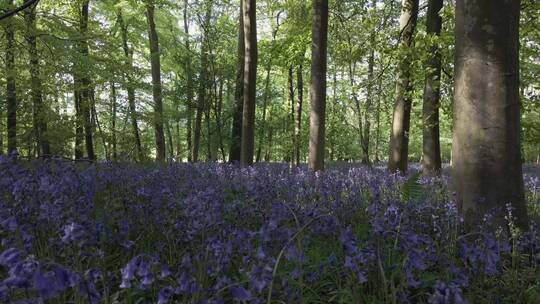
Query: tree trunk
431, 152
486, 169
250, 83
11, 95
236, 134
85, 101
113, 121
298, 118
156, 83
352, 72
219, 119
170, 139
79, 129
290, 120
367, 110
399, 134
130, 88
265, 105
318, 84
203, 82
189, 85
39, 115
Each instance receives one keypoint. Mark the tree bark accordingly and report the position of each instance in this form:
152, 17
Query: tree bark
79, 127
318, 84
156, 83
369, 97
486, 169
290, 119
39, 114
114, 110
431, 151
11, 95
265, 105
85, 100
189, 85
250, 83
399, 134
130, 88
298, 118
236, 133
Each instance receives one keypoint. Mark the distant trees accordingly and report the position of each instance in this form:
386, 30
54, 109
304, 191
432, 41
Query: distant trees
486, 165
39, 110
11, 93
399, 133
318, 84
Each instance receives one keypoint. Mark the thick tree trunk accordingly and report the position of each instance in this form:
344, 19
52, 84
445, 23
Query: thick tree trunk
39, 114
130, 88
399, 134
203, 82
11, 94
486, 169
114, 110
236, 134
189, 85
250, 83
156, 83
298, 118
431, 152
318, 84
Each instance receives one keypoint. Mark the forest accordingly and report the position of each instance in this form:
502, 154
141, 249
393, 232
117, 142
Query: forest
270, 151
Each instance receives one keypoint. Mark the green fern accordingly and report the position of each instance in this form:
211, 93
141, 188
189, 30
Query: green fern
412, 190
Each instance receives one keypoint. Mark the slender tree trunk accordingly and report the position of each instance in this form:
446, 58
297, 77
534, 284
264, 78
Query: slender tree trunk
85, 85
290, 119
113, 121
219, 119
352, 72
40, 121
298, 118
79, 129
156, 83
170, 139
399, 134
318, 84
265, 105
189, 85
369, 98
486, 169
96, 122
431, 152
236, 134
203, 82
130, 87
377, 123
207, 110
250, 83
11, 94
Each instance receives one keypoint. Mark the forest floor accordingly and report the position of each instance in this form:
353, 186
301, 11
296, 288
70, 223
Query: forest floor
216, 233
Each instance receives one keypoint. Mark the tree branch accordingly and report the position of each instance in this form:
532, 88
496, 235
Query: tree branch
25, 5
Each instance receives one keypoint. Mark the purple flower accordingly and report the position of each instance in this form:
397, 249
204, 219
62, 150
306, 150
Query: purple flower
240, 294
